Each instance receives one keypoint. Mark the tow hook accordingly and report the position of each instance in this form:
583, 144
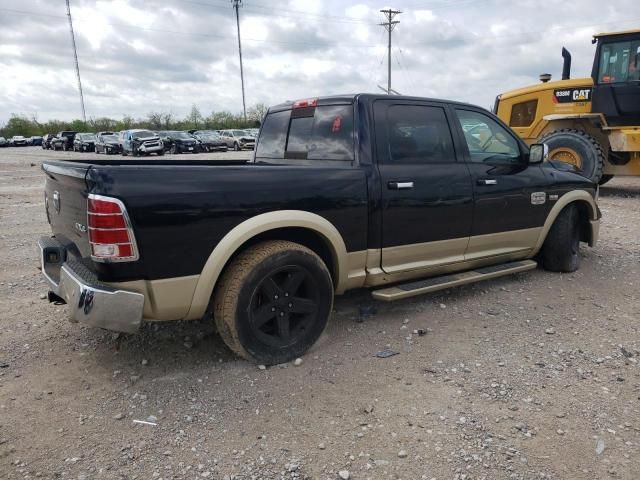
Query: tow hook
53, 298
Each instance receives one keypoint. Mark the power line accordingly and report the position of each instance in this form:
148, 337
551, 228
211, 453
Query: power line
389, 25
75, 59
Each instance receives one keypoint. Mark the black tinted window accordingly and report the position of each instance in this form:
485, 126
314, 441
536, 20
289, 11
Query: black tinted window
419, 134
273, 136
332, 136
322, 133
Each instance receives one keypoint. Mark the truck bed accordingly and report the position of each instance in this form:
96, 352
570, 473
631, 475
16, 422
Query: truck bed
181, 209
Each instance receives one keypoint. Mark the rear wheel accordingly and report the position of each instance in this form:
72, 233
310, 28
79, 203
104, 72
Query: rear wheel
273, 302
579, 149
561, 249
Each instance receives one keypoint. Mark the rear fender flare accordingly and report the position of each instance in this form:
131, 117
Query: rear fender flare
573, 196
233, 240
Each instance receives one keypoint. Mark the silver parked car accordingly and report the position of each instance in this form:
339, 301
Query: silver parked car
140, 142
238, 139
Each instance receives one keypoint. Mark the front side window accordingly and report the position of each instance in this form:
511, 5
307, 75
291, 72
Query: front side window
619, 62
488, 141
418, 134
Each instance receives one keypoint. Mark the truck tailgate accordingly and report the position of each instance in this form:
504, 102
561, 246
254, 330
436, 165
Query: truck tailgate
66, 205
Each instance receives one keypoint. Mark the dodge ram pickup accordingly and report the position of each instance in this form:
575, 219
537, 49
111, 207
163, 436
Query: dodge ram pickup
402, 195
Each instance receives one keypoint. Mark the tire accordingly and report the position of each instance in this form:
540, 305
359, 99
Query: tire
567, 144
173, 150
236, 147
604, 179
254, 288
160, 153
561, 249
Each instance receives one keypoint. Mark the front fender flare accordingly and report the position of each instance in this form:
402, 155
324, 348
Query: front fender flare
563, 201
233, 240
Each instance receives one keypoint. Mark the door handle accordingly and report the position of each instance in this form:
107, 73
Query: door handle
487, 181
400, 185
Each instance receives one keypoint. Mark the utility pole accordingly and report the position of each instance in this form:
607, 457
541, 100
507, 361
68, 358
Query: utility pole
389, 25
237, 4
75, 58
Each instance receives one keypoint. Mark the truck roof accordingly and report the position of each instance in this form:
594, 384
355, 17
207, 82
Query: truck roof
350, 98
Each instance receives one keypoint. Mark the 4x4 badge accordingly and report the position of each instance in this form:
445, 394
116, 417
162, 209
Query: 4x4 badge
538, 198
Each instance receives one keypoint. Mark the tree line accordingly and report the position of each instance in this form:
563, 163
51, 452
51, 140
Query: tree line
28, 127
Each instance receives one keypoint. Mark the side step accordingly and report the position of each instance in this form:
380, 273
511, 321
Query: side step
433, 284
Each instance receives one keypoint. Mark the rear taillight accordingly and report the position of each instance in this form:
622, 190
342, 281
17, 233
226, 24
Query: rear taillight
110, 232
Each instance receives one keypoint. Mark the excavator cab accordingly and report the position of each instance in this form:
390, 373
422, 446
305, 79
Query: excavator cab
616, 78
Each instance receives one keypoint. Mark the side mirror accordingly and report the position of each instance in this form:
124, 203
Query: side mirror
538, 153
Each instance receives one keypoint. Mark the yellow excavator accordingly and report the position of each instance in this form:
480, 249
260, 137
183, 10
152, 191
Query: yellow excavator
592, 123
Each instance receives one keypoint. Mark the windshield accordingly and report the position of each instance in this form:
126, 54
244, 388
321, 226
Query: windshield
109, 138
182, 135
143, 134
239, 133
619, 62
210, 136
87, 136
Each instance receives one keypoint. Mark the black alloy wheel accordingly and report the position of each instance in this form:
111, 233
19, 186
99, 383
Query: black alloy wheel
273, 302
283, 306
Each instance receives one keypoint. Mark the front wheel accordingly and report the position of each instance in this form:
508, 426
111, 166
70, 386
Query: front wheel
273, 302
236, 147
561, 249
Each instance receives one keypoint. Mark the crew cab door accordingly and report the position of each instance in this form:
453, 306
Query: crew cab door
510, 200
426, 191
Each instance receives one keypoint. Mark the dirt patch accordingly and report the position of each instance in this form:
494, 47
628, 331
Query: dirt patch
529, 376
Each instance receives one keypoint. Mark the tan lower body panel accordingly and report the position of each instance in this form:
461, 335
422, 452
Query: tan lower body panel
502, 243
165, 299
423, 255
452, 280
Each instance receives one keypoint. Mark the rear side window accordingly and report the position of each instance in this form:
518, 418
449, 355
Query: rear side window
419, 134
321, 133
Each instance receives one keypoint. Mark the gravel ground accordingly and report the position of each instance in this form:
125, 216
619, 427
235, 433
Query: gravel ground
531, 376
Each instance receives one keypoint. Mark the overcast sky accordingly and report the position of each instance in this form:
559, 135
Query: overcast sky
138, 56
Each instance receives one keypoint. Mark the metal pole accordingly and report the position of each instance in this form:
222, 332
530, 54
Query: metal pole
389, 63
236, 5
389, 25
75, 58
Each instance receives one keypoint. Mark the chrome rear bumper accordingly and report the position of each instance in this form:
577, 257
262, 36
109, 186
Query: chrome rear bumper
90, 301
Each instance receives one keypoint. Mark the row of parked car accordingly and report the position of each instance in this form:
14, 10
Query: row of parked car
20, 141
145, 142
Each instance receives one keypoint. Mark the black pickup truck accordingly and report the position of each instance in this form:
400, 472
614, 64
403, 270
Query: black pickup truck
403, 195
